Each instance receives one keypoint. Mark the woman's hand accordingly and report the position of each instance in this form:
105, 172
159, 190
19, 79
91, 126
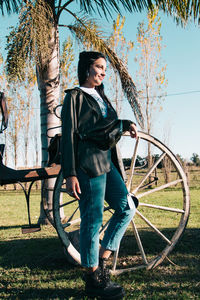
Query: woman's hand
133, 131
73, 187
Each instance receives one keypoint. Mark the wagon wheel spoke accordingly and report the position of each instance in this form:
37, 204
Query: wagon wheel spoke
132, 167
139, 243
158, 199
50, 210
115, 257
45, 192
153, 227
162, 187
148, 239
67, 203
141, 249
149, 172
63, 190
176, 210
69, 223
69, 219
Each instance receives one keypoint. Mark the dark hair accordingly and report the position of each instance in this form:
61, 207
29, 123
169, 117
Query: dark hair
86, 59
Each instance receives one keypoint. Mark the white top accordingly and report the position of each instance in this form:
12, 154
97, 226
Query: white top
92, 92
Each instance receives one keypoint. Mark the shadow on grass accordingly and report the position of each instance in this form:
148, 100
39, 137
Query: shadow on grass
44, 253
176, 278
34, 293
48, 252
36, 268
10, 227
189, 242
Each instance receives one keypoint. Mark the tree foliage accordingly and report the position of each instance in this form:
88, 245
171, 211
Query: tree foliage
181, 10
67, 68
122, 48
195, 159
27, 42
151, 80
88, 34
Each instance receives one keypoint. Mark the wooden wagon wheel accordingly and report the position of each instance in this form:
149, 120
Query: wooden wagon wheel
47, 191
161, 216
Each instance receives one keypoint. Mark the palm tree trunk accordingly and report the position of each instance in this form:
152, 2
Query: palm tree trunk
48, 79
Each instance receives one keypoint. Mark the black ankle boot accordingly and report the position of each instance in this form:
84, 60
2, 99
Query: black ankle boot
99, 285
102, 265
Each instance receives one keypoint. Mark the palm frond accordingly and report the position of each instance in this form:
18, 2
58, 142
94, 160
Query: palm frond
86, 32
10, 6
29, 40
192, 9
128, 85
107, 6
181, 10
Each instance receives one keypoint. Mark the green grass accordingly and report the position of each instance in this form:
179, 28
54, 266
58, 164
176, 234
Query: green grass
33, 266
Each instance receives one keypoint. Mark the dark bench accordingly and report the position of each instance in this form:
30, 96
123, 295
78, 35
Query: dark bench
10, 176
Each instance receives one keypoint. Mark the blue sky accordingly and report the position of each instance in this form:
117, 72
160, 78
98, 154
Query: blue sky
181, 108
180, 116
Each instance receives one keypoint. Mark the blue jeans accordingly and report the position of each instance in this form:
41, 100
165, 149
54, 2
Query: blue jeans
111, 187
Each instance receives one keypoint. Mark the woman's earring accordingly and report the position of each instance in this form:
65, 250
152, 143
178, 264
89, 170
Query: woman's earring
87, 74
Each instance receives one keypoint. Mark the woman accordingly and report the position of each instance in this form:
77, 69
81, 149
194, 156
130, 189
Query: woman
90, 165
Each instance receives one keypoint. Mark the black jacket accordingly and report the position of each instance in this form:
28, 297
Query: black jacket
83, 128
